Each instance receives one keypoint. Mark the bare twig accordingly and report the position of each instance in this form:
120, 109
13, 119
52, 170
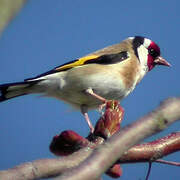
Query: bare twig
152, 151
149, 170
113, 149
108, 153
168, 162
45, 168
8, 9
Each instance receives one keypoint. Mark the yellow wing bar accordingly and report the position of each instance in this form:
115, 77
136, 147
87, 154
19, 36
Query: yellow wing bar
77, 62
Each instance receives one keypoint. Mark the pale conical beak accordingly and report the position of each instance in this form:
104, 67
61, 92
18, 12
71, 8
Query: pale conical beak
161, 61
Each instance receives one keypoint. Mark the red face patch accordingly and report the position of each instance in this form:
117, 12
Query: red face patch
155, 47
154, 52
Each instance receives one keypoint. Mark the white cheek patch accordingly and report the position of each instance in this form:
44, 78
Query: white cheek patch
143, 57
147, 42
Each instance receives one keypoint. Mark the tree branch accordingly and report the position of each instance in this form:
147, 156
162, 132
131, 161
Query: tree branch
8, 9
108, 153
152, 151
90, 164
172, 163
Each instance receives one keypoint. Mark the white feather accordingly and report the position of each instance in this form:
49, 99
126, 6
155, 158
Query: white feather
143, 57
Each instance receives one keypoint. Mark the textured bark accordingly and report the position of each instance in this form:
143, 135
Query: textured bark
151, 151
89, 163
108, 153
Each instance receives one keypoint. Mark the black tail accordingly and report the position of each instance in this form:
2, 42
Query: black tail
11, 90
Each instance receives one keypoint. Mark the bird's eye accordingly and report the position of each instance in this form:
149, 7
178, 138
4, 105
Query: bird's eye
153, 53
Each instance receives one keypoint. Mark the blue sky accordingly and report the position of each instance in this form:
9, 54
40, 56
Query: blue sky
48, 33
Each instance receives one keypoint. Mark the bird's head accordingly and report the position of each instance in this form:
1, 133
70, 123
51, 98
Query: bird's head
148, 52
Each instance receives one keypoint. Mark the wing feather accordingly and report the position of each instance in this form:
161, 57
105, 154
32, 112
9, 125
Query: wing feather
75, 63
66, 66
91, 59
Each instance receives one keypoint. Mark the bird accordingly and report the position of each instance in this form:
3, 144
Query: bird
87, 82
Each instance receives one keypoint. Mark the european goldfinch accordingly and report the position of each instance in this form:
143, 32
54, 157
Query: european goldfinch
109, 73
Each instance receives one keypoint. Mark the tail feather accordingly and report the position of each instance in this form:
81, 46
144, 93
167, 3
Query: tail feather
12, 90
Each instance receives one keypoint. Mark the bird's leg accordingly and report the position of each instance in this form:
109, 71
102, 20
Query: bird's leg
84, 110
100, 108
90, 92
